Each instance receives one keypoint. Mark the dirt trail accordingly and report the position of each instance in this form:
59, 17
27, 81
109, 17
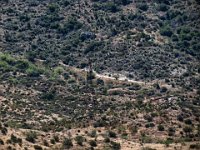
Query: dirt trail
107, 75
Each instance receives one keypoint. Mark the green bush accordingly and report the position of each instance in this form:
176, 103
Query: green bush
4, 131
143, 6
52, 141
33, 71
14, 139
1, 142
115, 146
112, 7
166, 31
79, 140
149, 125
161, 127
8, 59
163, 7
163, 89
107, 140
71, 24
112, 134
31, 136
195, 146
93, 46
93, 133
49, 95
67, 143
22, 64
56, 138
45, 142
37, 147
93, 143
187, 129
188, 121
53, 8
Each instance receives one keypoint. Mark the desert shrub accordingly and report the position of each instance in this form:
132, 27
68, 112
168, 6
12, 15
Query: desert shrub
166, 31
31, 55
1, 142
71, 24
148, 118
50, 95
45, 142
66, 2
112, 134
188, 121
161, 127
107, 140
187, 129
58, 70
143, 6
33, 72
53, 8
134, 129
135, 86
22, 64
37, 147
112, 7
171, 131
31, 136
149, 125
100, 82
52, 141
174, 38
4, 66
8, 59
93, 46
56, 138
115, 145
125, 2
14, 139
93, 133
10, 148
163, 7
173, 14
99, 123
79, 140
90, 75
195, 146
66, 75
92, 143
67, 143
24, 18
163, 89
4, 131
148, 148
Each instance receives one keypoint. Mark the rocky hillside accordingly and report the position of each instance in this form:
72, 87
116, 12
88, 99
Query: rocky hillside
99, 74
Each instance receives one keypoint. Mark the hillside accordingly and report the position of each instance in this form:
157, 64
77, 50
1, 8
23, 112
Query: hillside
99, 74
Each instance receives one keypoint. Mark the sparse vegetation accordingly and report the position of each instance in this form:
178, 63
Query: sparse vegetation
99, 74
67, 143
31, 136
